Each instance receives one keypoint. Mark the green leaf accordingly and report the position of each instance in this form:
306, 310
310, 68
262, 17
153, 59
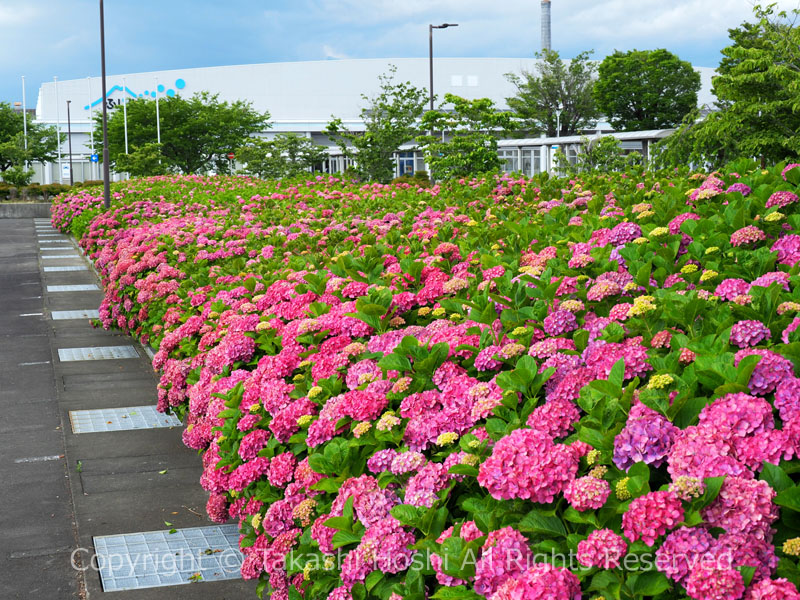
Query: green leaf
617, 374
373, 579
774, 475
536, 522
406, 514
648, 584
747, 574
789, 498
464, 470
345, 538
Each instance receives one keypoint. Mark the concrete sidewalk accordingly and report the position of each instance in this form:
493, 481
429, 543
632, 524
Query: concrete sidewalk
61, 488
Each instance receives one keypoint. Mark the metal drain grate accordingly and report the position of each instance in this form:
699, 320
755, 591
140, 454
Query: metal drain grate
65, 315
97, 353
62, 269
136, 561
82, 287
120, 419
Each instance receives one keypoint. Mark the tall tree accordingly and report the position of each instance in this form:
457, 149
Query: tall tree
759, 81
555, 83
286, 155
42, 144
389, 119
758, 91
197, 133
473, 127
645, 89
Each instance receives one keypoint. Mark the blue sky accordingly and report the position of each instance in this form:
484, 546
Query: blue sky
43, 38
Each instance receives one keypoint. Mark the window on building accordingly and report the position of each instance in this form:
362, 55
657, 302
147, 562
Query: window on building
531, 161
510, 160
405, 163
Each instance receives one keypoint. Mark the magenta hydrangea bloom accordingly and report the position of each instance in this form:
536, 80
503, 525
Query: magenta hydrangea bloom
528, 464
781, 199
681, 550
749, 333
555, 417
385, 546
737, 415
704, 451
587, 493
504, 555
729, 289
647, 437
747, 235
710, 583
788, 249
560, 322
742, 188
603, 548
743, 506
769, 372
788, 168
787, 399
651, 516
740, 550
790, 330
772, 589
541, 582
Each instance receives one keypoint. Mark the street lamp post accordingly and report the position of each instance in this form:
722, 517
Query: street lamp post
91, 125
69, 142
125, 110
58, 133
106, 174
158, 118
559, 108
430, 52
25, 115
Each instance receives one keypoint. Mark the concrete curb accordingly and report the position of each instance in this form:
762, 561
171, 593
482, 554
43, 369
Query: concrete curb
24, 210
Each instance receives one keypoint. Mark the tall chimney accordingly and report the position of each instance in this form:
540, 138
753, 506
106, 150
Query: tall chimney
546, 25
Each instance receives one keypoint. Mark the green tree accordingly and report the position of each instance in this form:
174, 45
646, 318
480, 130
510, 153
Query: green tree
759, 84
389, 121
473, 127
145, 160
284, 156
196, 133
555, 83
645, 89
758, 91
42, 144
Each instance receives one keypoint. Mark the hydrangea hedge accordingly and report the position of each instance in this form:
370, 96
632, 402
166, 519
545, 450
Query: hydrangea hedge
502, 388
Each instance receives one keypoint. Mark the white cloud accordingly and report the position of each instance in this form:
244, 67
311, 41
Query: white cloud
14, 15
332, 53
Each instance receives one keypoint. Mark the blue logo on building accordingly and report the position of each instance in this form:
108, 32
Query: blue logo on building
113, 103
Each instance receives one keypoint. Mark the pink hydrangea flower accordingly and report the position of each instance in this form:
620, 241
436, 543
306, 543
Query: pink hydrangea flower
528, 464
743, 506
504, 555
541, 581
772, 589
651, 516
587, 493
749, 333
747, 235
603, 548
710, 583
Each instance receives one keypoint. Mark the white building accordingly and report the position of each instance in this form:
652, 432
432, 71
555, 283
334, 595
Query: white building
301, 97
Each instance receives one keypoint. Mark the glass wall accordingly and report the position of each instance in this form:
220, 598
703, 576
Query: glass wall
510, 160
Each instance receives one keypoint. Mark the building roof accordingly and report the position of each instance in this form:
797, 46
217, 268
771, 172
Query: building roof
300, 96
650, 134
